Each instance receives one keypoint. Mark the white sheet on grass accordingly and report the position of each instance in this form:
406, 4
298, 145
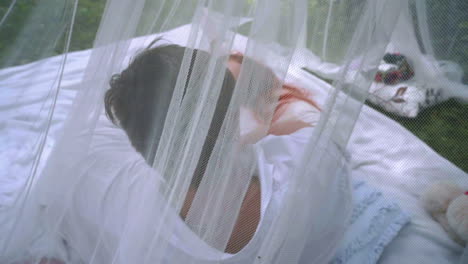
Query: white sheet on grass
383, 153
393, 160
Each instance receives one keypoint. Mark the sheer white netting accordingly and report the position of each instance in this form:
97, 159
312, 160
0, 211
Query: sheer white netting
171, 160
437, 65
428, 34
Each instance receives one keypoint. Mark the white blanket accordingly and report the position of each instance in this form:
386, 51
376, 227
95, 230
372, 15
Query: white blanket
383, 153
393, 160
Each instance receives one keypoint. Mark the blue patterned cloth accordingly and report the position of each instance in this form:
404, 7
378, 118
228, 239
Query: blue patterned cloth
374, 222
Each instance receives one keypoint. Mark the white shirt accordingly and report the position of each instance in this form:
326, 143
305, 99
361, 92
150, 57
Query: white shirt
104, 195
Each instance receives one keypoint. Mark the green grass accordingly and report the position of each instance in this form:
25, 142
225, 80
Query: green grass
40, 28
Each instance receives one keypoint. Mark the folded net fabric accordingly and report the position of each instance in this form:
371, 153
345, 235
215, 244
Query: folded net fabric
172, 180
428, 34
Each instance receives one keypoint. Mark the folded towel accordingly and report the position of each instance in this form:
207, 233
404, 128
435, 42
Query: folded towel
374, 222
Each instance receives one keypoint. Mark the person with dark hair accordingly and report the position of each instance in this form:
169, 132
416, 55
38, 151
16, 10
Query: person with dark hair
139, 98
150, 80
137, 95
116, 172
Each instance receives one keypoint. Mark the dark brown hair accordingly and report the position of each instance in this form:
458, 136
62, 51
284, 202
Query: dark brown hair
147, 84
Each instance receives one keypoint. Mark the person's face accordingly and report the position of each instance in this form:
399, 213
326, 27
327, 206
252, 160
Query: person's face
270, 105
234, 64
252, 125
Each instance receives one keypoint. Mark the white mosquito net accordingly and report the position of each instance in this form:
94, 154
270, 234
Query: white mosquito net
429, 35
163, 140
